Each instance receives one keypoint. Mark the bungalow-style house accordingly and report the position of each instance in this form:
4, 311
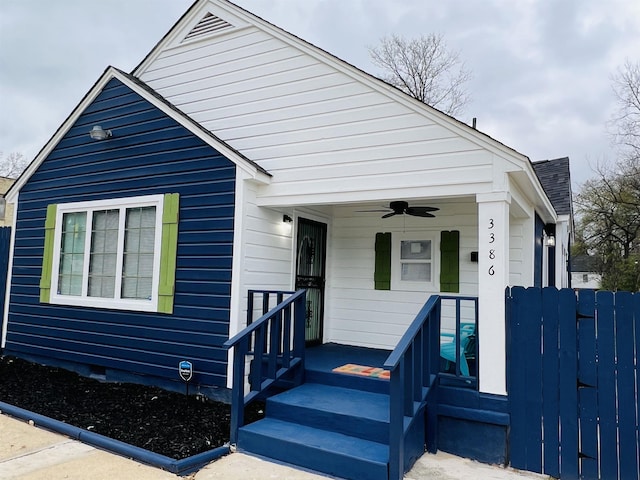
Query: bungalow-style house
238, 157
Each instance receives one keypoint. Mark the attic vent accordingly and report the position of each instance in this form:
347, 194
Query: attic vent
208, 25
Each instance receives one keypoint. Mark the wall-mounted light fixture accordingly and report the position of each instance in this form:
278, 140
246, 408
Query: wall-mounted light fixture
98, 133
550, 235
287, 219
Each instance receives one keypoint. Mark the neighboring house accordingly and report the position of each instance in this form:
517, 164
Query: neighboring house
6, 210
584, 272
237, 156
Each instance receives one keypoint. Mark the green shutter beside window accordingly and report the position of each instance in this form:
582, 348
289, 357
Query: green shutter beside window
382, 276
450, 261
47, 255
168, 253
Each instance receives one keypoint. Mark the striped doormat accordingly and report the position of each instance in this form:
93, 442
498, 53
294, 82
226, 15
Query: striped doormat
363, 370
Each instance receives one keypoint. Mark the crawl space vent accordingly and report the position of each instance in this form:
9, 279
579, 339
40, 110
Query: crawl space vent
208, 25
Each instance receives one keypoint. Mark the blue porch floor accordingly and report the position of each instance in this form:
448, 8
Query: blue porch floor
332, 355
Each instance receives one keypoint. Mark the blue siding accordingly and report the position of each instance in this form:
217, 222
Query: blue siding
149, 153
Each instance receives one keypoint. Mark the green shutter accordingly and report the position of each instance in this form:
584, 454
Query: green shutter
382, 276
47, 255
168, 253
450, 261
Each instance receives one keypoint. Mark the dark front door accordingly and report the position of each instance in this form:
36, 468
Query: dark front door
310, 273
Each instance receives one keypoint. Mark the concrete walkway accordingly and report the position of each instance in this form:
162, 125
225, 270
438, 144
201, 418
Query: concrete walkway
31, 453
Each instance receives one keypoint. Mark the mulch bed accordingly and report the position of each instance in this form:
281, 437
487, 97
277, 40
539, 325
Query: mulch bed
167, 423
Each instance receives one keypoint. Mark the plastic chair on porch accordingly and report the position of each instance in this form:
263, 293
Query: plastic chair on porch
467, 347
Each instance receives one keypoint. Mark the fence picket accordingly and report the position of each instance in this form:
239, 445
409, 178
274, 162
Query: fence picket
588, 381
627, 398
550, 382
606, 367
518, 384
568, 389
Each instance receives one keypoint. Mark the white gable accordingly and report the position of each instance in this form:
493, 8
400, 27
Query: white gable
325, 130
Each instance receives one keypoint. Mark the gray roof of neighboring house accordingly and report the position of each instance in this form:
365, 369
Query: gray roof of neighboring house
584, 263
555, 178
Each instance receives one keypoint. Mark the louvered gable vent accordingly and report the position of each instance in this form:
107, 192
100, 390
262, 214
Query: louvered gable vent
208, 25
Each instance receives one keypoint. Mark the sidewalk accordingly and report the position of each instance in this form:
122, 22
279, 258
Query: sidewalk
31, 453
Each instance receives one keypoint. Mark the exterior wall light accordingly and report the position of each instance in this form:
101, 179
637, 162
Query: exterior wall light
287, 219
98, 133
550, 241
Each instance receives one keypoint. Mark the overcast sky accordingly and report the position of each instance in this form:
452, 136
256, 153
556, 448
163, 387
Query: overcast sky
541, 68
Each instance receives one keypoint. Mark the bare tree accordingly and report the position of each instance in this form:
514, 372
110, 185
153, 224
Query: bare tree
13, 165
625, 124
425, 69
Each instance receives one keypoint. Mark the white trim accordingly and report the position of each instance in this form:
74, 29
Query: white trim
237, 268
7, 293
183, 120
150, 305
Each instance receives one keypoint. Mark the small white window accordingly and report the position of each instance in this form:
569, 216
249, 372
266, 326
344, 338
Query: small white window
108, 253
413, 266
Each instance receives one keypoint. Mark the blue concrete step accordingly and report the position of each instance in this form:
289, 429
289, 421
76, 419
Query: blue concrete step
325, 451
343, 410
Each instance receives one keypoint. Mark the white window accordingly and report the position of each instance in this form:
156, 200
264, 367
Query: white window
108, 253
413, 262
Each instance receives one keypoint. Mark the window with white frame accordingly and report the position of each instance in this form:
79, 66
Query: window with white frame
108, 253
413, 262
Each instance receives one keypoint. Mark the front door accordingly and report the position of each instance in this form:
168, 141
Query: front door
310, 273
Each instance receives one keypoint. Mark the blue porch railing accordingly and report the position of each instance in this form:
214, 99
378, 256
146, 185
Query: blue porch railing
414, 369
275, 346
459, 348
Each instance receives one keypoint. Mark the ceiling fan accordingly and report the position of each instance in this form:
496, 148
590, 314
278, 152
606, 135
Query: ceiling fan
400, 207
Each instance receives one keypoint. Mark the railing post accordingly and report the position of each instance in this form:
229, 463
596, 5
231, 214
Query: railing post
237, 393
396, 422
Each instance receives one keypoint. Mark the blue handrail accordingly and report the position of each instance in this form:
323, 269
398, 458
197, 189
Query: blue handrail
277, 339
413, 366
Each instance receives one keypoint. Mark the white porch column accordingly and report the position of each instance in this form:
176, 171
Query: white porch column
493, 277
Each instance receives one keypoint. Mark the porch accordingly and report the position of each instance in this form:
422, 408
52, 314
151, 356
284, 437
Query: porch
330, 407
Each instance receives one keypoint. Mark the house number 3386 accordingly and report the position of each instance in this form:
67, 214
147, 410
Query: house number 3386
492, 251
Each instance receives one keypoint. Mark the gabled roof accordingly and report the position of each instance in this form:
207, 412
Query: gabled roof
291, 38
481, 139
146, 92
555, 178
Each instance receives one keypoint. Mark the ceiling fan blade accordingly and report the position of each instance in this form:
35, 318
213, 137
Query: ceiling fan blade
421, 214
418, 211
390, 214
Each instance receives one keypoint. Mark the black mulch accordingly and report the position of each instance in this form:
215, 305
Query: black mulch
167, 423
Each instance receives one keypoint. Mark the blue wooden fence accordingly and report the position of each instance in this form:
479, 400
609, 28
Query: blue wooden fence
573, 382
